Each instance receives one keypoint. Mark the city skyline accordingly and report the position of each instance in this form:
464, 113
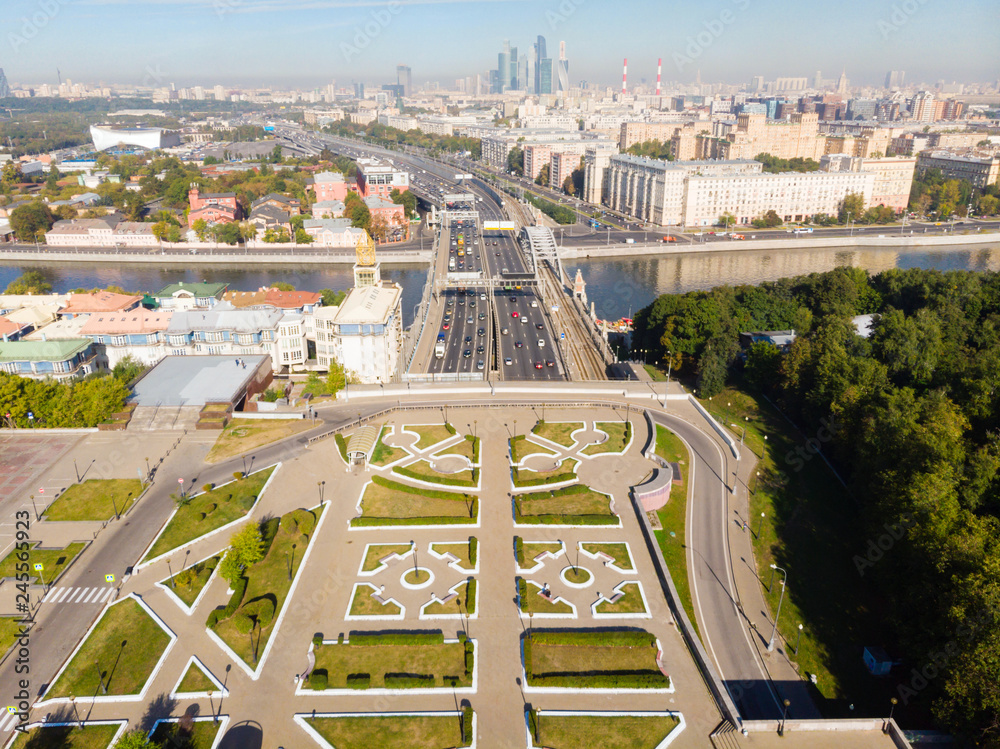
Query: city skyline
186, 42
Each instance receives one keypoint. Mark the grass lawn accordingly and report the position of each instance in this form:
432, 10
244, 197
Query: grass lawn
809, 527
364, 604
618, 552
462, 550
188, 583
656, 374
378, 552
125, 668
583, 660
456, 605
53, 562
616, 731
673, 517
383, 454
422, 471
520, 448
391, 731
439, 660
201, 735
246, 434
397, 504
531, 550
467, 448
269, 579
629, 603
533, 602
429, 435
10, 628
67, 737
575, 504
195, 680
205, 512
417, 576
558, 432
562, 472
578, 576
615, 442
92, 500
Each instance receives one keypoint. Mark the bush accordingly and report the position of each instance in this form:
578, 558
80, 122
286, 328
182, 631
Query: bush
519, 548
389, 639
533, 723
467, 725
475, 449
522, 590
368, 522
319, 679
207, 488
341, 446
470, 596
408, 681
306, 520
288, 523
470, 658
317, 640
604, 680
262, 608
243, 623
268, 530
443, 480
359, 681
526, 643
239, 590
213, 618
542, 481
473, 551
271, 395
419, 491
238, 475
451, 430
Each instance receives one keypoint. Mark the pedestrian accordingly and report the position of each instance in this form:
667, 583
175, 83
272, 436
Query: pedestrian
744, 526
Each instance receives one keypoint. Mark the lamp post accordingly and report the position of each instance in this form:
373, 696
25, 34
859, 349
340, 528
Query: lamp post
774, 630
33, 507
115, 506
172, 585
147, 469
321, 485
892, 707
798, 639
784, 716
100, 677
760, 525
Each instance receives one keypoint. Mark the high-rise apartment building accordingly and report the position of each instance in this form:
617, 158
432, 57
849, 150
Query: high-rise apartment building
404, 79
562, 71
894, 79
4, 86
922, 107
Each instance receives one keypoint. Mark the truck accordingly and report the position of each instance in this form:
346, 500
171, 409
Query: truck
439, 349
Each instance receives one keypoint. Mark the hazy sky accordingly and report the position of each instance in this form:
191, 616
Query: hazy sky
310, 42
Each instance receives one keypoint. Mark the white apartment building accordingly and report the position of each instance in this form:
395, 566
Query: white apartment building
364, 334
893, 177
100, 232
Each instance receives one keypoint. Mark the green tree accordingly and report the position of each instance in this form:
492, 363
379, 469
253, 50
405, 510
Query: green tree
726, 220
134, 739
30, 282
406, 199
128, 368
200, 227
11, 175
332, 298
851, 207
246, 547
763, 366
543, 176
515, 161
31, 221
282, 286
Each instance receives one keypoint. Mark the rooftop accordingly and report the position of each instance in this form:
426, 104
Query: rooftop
138, 320
196, 380
61, 329
329, 178
102, 301
58, 350
197, 289
370, 305
224, 317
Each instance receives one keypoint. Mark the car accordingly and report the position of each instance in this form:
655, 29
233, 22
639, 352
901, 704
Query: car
549, 363
508, 361
467, 354
504, 270
472, 303
469, 320
514, 314
482, 315
518, 344
541, 343
513, 300
451, 302
539, 326
480, 349
538, 365
482, 296
481, 332
446, 326
461, 302
468, 339
523, 319
480, 364
496, 254
494, 243
534, 303
504, 331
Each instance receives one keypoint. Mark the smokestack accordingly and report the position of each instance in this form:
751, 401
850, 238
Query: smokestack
659, 74
625, 78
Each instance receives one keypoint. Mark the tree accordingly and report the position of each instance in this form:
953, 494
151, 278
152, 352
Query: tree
515, 161
200, 227
726, 219
988, 205
851, 207
31, 282
543, 176
332, 298
379, 228
31, 221
282, 286
128, 368
405, 198
11, 175
246, 547
52, 181
134, 739
302, 236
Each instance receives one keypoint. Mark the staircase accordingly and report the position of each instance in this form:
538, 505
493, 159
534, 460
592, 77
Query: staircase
726, 736
164, 418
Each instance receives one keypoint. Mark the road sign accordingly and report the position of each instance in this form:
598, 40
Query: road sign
38, 566
109, 578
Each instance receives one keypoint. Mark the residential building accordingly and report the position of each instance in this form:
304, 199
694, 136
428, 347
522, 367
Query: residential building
981, 168
187, 295
596, 161
267, 217
641, 132
330, 186
81, 305
562, 163
140, 334
291, 206
893, 177
109, 231
328, 209
798, 137
60, 360
364, 333
376, 177
333, 232
214, 208
393, 214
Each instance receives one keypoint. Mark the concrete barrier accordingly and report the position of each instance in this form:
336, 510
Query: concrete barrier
716, 426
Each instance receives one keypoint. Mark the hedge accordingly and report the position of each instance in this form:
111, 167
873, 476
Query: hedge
526, 643
470, 657
389, 639
342, 446
533, 723
364, 521
467, 725
522, 590
562, 492
475, 449
451, 430
443, 480
317, 640
408, 681
268, 531
239, 590
418, 490
473, 551
359, 681
318, 679
519, 547
618, 638
646, 679
470, 596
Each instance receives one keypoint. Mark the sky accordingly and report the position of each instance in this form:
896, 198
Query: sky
308, 43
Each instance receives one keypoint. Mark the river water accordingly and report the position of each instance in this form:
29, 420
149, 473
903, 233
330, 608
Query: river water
618, 287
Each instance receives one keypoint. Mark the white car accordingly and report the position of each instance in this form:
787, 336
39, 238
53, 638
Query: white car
508, 361
541, 343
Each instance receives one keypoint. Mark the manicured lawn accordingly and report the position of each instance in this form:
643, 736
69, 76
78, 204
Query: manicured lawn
246, 434
378, 552
201, 735
270, 579
618, 552
417, 577
391, 731
389, 503
429, 435
364, 604
571, 505
672, 517
422, 471
558, 432
616, 731
629, 603
578, 575
593, 659
195, 680
657, 374
53, 562
67, 737
383, 454
187, 584
533, 602
437, 660
615, 442
9, 631
467, 448
463, 603
462, 550
125, 667
520, 448
205, 512
529, 551
565, 471
92, 500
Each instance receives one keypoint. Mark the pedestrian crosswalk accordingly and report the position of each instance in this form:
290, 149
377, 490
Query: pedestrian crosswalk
7, 722
78, 594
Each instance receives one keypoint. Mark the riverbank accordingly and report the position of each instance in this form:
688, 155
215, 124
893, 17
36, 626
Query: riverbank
866, 240
206, 257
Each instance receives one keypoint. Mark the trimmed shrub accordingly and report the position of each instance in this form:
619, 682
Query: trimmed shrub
340, 639
418, 490
526, 644
268, 530
533, 723
238, 475
519, 548
557, 478
645, 679
239, 590
470, 658
213, 618
467, 725
317, 640
243, 623
359, 681
389, 639
475, 449
408, 681
365, 522
625, 638
473, 551
522, 590
470, 596
451, 430
319, 679
341, 446
289, 523
443, 480
262, 608
306, 520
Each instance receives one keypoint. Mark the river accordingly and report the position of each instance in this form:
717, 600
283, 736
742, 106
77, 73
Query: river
617, 287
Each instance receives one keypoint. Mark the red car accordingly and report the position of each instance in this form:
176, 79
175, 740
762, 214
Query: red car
538, 365
446, 326
514, 314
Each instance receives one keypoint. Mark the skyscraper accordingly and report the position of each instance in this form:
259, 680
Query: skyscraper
562, 71
894, 79
404, 79
512, 69
502, 82
4, 87
540, 54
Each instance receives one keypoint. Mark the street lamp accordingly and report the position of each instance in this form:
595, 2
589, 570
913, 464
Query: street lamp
774, 630
760, 525
798, 638
784, 716
33, 507
892, 702
321, 485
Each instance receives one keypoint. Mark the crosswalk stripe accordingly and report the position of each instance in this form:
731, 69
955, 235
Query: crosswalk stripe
7, 723
66, 592
108, 595
93, 593
50, 595
82, 594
